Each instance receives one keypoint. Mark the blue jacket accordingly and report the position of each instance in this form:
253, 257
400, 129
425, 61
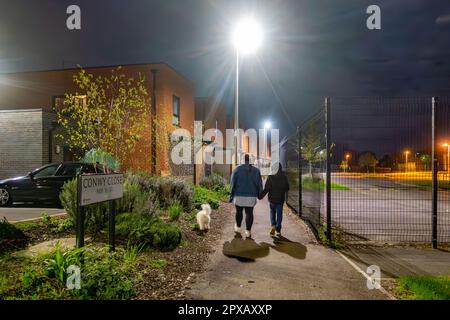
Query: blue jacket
246, 181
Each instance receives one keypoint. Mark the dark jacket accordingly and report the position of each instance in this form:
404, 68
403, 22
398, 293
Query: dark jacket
276, 186
246, 181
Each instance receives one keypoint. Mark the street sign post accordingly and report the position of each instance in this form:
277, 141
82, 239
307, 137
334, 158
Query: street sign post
96, 188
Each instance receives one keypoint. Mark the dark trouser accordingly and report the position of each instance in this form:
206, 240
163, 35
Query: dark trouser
248, 217
276, 215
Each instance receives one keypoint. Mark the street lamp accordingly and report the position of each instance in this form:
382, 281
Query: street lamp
267, 125
448, 156
247, 38
347, 157
406, 160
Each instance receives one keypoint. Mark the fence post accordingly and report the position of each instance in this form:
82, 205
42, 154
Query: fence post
434, 166
80, 217
300, 202
328, 165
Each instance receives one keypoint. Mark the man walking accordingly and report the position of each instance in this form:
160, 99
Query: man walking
246, 185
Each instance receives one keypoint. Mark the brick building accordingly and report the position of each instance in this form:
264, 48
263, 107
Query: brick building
27, 121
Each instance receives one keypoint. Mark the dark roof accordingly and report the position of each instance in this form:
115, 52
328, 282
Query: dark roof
106, 66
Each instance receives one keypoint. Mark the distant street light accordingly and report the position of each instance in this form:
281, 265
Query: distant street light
347, 157
267, 125
448, 156
247, 38
406, 160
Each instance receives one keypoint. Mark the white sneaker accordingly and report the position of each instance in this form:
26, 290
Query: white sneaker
236, 228
248, 234
278, 234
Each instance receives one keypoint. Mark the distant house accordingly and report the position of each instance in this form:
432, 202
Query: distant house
27, 120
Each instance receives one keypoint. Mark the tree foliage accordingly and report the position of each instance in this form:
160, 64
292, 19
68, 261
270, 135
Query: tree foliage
368, 160
108, 113
312, 146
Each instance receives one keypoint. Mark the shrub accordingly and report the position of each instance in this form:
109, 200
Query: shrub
10, 235
148, 231
104, 275
9, 231
214, 182
57, 225
96, 215
146, 203
203, 195
137, 200
131, 191
175, 211
168, 190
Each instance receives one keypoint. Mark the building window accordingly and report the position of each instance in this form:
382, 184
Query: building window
176, 111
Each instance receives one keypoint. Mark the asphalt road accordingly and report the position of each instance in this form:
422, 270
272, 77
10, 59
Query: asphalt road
22, 213
383, 209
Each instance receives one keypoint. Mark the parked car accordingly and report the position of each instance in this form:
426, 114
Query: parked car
43, 184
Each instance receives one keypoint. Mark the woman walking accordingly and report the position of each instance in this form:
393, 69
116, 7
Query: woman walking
246, 185
276, 186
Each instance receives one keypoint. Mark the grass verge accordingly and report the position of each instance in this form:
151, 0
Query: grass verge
319, 184
424, 288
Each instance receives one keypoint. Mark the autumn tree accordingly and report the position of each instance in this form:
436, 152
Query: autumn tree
368, 160
312, 146
106, 112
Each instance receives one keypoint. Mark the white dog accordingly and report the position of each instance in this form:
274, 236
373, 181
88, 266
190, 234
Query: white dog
203, 217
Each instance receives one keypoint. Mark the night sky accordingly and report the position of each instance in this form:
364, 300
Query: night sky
312, 48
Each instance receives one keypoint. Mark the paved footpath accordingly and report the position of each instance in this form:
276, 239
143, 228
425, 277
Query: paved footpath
295, 267
26, 213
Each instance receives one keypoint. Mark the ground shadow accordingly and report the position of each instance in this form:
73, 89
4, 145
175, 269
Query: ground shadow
284, 245
245, 250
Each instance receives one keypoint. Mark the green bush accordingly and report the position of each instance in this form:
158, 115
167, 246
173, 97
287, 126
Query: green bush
96, 215
167, 190
10, 235
203, 195
9, 231
57, 225
131, 191
104, 275
175, 211
214, 182
148, 231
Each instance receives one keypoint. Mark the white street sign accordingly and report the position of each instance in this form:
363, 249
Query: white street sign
100, 187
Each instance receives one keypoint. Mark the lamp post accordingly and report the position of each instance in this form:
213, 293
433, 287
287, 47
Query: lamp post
267, 125
347, 157
247, 38
406, 160
448, 156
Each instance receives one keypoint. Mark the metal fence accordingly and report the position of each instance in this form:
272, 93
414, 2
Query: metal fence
305, 162
367, 171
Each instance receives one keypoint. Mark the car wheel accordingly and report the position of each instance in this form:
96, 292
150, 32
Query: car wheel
5, 198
